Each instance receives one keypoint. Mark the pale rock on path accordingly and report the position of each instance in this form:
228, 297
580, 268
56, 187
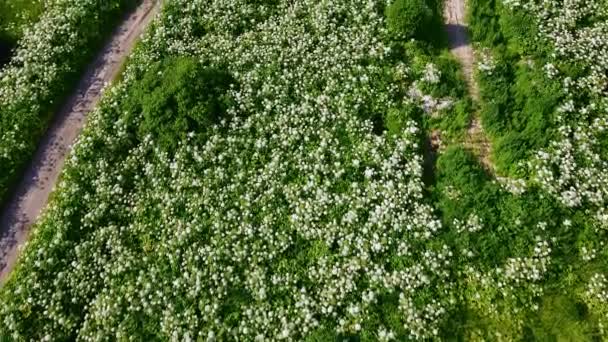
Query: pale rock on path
460, 46
32, 194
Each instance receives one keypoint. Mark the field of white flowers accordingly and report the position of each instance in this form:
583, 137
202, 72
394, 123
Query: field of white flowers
44, 68
298, 210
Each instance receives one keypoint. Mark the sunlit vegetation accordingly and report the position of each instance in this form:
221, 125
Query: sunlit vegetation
257, 174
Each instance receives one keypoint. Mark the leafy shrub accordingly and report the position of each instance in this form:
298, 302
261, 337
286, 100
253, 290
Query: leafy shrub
484, 22
458, 169
260, 212
517, 110
520, 29
179, 96
465, 188
452, 82
510, 149
407, 19
454, 122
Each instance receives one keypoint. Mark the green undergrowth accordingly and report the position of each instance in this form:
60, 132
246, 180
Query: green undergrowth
492, 223
261, 193
15, 15
176, 97
510, 224
518, 99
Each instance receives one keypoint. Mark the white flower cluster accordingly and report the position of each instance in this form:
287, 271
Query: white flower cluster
486, 62
512, 185
505, 293
428, 103
431, 74
588, 254
582, 174
473, 224
602, 218
550, 70
528, 269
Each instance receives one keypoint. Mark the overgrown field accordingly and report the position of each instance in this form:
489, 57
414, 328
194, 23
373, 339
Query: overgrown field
258, 174
50, 54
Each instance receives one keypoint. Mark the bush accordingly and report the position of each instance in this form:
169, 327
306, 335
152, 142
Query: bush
179, 96
484, 22
452, 82
510, 149
408, 19
455, 121
521, 30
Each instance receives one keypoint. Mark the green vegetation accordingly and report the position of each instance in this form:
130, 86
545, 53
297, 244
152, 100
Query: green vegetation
15, 15
44, 70
409, 19
416, 19
257, 174
488, 225
176, 97
519, 99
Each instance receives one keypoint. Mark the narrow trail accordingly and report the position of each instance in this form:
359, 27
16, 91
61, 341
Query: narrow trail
460, 46
39, 179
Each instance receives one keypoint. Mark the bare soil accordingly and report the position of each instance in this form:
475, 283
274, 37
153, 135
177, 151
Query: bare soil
39, 179
458, 37
460, 46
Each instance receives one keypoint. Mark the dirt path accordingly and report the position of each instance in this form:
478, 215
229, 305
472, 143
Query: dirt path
456, 27
32, 194
460, 46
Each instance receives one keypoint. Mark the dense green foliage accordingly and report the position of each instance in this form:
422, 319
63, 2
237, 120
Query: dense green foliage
45, 68
15, 15
176, 97
415, 19
466, 196
268, 226
258, 175
518, 99
409, 19
523, 109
